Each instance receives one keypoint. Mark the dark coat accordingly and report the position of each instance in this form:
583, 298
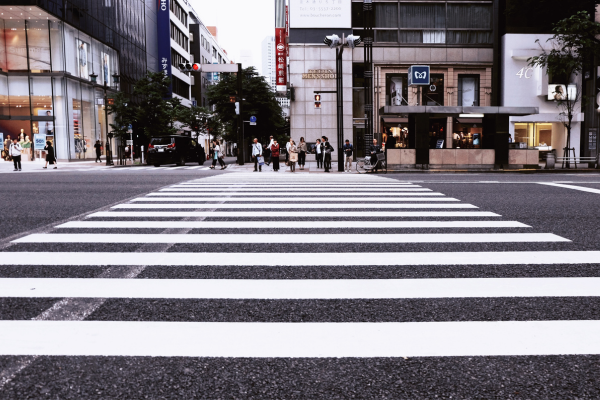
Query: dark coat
50, 156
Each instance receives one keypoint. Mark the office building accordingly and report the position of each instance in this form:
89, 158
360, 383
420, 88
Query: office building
268, 61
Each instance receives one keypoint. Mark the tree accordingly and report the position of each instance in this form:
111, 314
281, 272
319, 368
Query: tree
156, 112
124, 115
200, 120
573, 49
259, 101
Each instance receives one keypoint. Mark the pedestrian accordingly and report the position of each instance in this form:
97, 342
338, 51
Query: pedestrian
215, 153
326, 150
275, 155
318, 154
50, 156
348, 152
302, 153
271, 142
7, 144
266, 154
293, 156
287, 148
374, 149
15, 153
219, 149
257, 152
98, 147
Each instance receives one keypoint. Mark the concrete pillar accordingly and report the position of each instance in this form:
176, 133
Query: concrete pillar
449, 132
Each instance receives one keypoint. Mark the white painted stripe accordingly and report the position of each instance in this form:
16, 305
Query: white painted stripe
292, 197
196, 167
269, 215
282, 192
580, 188
302, 259
291, 238
316, 223
267, 339
279, 188
292, 184
300, 289
290, 205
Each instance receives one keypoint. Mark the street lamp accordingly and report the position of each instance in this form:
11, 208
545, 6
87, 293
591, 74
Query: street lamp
334, 42
94, 79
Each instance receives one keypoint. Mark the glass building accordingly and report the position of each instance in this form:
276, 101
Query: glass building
50, 53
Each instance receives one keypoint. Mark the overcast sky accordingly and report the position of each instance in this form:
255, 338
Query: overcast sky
242, 24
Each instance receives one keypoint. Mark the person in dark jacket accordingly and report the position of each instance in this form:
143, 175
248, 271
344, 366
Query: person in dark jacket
50, 155
98, 147
374, 149
348, 152
275, 155
326, 150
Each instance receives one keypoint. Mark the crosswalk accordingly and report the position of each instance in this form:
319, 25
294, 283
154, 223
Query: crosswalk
344, 238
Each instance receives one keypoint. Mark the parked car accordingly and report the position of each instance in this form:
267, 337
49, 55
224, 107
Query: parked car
174, 149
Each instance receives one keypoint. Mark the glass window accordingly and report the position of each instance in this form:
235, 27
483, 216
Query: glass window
38, 39
386, 15
470, 16
422, 15
468, 133
3, 66
386, 35
71, 46
57, 45
41, 97
16, 45
469, 37
88, 118
434, 37
61, 138
358, 103
433, 95
357, 14
76, 148
18, 96
396, 89
4, 103
468, 90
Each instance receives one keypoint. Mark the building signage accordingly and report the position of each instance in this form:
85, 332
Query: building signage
39, 141
319, 74
164, 40
320, 14
281, 59
559, 92
419, 75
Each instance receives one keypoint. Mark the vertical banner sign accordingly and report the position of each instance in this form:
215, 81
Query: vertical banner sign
287, 31
164, 40
281, 55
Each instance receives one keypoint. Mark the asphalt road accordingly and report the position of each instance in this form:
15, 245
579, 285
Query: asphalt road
50, 361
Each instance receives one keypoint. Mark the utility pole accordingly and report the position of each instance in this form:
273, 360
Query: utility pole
240, 120
368, 41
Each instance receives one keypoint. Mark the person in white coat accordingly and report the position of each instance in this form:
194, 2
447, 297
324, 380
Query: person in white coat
15, 152
257, 151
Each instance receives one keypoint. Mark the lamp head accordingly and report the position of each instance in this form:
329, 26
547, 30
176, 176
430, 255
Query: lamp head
353, 41
332, 41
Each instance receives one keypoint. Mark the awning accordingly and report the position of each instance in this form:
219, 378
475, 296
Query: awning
395, 120
455, 111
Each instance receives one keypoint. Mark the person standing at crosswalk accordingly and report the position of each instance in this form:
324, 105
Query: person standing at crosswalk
326, 150
348, 151
293, 156
275, 155
270, 159
257, 152
318, 154
15, 152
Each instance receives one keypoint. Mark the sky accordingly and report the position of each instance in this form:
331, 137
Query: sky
242, 24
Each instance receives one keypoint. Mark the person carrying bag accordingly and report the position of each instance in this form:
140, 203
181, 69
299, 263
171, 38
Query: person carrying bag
257, 153
293, 156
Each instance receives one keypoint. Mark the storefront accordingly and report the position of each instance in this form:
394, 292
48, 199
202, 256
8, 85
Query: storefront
46, 93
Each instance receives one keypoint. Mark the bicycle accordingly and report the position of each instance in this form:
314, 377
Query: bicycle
364, 165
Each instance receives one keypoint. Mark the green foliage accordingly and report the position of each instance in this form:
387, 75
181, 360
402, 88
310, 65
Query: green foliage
201, 120
259, 102
156, 113
124, 115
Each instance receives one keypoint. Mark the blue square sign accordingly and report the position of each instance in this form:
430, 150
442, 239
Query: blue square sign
418, 75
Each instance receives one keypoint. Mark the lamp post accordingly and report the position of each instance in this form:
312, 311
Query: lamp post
334, 42
109, 161
368, 59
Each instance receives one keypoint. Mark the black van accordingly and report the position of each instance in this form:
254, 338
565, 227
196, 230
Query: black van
174, 149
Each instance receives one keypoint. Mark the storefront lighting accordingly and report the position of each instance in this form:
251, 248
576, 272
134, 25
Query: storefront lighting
471, 115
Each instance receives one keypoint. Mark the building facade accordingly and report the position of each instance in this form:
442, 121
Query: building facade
50, 53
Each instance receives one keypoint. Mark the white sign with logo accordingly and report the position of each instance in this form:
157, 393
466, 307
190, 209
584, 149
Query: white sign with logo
320, 14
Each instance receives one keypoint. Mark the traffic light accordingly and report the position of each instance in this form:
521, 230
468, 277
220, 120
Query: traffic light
317, 101
187, 67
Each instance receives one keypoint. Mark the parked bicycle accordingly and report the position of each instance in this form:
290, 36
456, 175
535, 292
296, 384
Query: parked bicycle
366, 164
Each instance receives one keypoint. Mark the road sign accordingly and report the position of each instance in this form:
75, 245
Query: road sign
129, 142
194, 103
253, 120
419, 75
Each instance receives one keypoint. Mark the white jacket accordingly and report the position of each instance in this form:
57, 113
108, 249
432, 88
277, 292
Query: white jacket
256, 149
15, 149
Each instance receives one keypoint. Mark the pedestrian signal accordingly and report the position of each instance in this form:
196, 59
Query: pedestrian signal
317, 101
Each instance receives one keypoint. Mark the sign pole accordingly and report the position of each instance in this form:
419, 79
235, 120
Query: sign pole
240, 122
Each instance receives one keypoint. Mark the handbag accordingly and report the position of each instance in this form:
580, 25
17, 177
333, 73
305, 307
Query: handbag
261, 160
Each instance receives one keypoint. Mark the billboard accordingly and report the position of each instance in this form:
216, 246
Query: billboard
281, 53
321, 14
559, 92
164, 40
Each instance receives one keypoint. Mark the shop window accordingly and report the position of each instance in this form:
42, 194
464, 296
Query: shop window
468, 90
395, 136
534, 135
468, 133
358, 75
18, 96
57, 45
4, 102
16, 45
396, 89
386, 15
433, 95
3, 67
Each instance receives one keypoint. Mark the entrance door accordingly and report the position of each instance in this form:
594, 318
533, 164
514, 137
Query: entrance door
359, 142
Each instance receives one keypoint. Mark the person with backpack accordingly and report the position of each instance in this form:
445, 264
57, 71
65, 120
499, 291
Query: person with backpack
15, 152
348, 152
